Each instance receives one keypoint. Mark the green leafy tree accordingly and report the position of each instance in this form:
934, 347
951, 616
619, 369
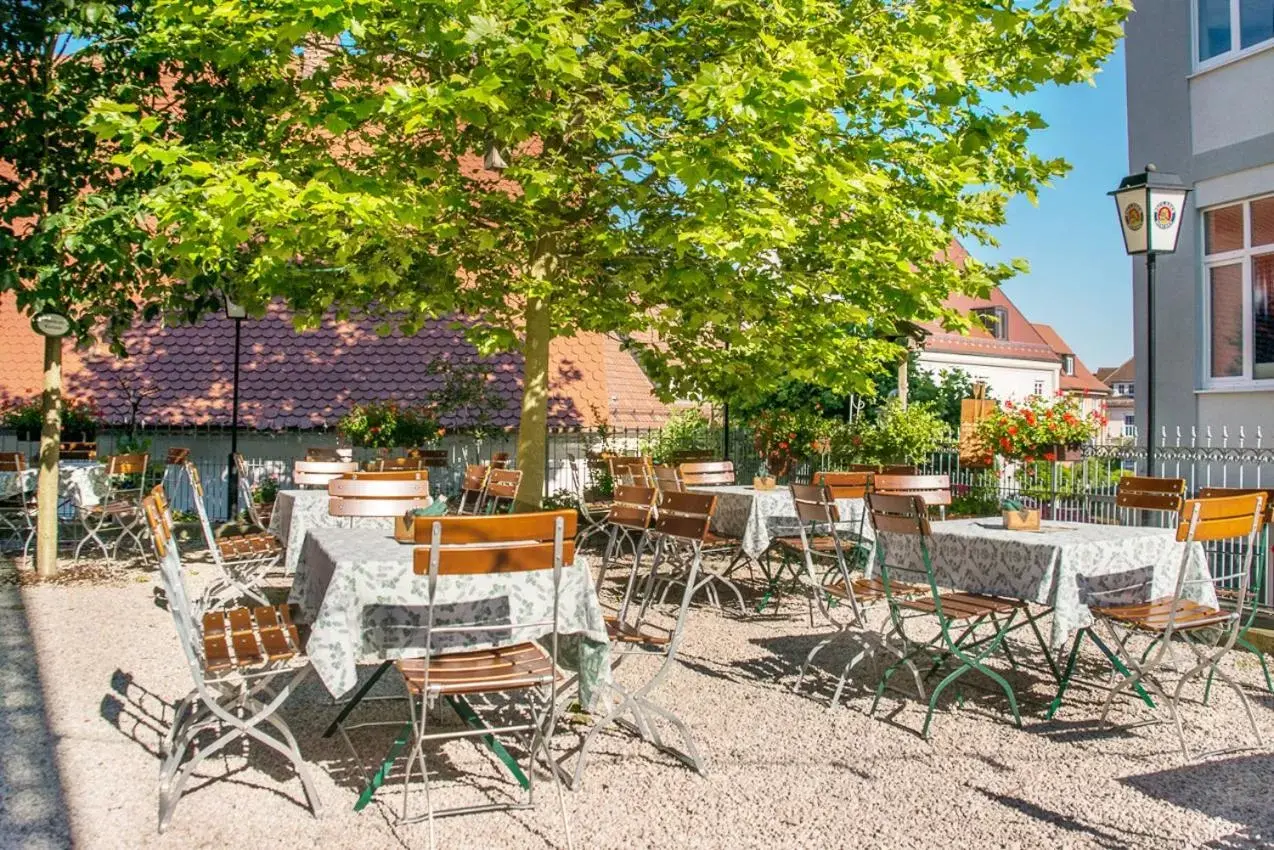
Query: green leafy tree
744, 192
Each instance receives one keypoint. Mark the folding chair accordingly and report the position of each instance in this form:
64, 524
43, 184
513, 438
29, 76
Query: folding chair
849, 485
681, 525
934, 490
243, 561
502, 490
17, 510
120, 512
431, 458
631, 471
907, 515
397, 464
378, 494
461, 548
592, 512
628, 520
667, 480
707, 473
473, 489
820, 539
1138, 498
317, 473
500, 460
702, 473
1209, 633
326, 455
258, 515
245, 663
78, 451
1256, 586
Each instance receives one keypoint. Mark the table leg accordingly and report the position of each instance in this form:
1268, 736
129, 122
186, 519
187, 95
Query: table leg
357, 698
1065, 679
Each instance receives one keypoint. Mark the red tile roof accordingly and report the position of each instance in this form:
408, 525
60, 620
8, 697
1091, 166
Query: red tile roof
1083, 381
183, 374
1023, 342
1126, 373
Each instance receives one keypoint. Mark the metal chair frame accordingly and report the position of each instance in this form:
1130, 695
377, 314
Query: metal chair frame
475, 485
247, 497
501, 491
120, 510
17, 512
238, 577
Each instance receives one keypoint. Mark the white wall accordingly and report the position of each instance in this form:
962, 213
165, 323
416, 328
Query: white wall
1005, 378
1233, 103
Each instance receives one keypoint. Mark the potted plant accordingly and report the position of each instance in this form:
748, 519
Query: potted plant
80, 421
784, 438
371, 425
418, 427
1040, 429
24, 416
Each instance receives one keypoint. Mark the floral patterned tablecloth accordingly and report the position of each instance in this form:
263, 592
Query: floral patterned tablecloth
298, 511
1063, 565
755, 516
357, 588
82, 483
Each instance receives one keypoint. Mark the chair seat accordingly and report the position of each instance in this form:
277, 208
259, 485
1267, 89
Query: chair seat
963, 606
249, 545
237, 638
626, 633
714, 540
123, 507
1153, 616
822, 544
522, 665
873, 589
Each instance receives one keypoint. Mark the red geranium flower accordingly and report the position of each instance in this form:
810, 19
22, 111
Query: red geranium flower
1049, 456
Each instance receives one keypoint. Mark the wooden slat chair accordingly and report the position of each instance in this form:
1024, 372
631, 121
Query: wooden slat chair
1209, 633
844, 485
818, 540
258, 514
245, 663
691, 456
907, 515
935, 490
396, 464
317, 473
592, 511
378, 494
712, 544
1256, 585
120, 511
706, 473
469, 548
78, 451
17, 501
500, 460
13, 462
473, 489
431, 458
1161, 499
898, 469
242, 561
628, 520
677, 537
326, 455
667, 480
631, 471
502, 490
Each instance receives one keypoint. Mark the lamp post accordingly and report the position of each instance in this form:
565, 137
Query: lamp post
238, 313
1150, 205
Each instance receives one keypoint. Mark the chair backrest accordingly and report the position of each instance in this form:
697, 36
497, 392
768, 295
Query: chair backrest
503, 484
176, 456
686, 516
396, 464
500, 460
667, 480
316, 473
475, 477
632, 506
691, 456
78, 450
898, 469
813, 504
12, 462
478, 545
1221, 519
201, 509
634, 471
431, 458
174, 583
1136, 492
707, 472
898, 513
323, 453
378, 494
1215, 492
126, 475
935, 490
844, 485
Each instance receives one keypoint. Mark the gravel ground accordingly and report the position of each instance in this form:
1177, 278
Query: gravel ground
89, 672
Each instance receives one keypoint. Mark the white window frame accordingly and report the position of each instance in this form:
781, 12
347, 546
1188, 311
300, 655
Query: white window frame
1243, 257
1235, 52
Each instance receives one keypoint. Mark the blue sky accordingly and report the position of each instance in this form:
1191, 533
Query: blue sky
1080, 278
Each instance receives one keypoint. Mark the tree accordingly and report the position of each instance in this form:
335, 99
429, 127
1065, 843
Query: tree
728, 187
942, 392
73, 234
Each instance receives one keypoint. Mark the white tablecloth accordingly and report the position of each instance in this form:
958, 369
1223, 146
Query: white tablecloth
298, 511
1061, 566
83, 483
756, 516
357, 586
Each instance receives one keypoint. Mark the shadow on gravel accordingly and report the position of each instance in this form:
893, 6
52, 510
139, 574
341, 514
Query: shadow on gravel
1233, 789
32, 803
1092, 834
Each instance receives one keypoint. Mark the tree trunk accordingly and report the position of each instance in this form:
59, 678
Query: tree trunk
533, 426
902, 380
46, 541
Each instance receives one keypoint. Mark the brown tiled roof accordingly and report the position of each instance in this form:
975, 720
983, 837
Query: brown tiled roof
1083, 381
1125, 373
183, 374
1023, 342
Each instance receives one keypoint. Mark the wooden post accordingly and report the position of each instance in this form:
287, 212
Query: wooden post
46, 539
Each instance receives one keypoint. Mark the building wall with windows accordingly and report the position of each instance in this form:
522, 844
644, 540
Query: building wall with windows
1201, 103
1005, 378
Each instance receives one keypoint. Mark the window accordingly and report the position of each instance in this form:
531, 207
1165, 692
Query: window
1238, 295
1130, 426
1124, 389
1068, 364
1039, 388
995, 320
1224, 27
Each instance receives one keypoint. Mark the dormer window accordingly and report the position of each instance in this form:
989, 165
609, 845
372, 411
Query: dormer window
1068, 364
995, 320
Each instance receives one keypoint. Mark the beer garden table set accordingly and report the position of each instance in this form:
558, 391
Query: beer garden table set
81, 483
297, 511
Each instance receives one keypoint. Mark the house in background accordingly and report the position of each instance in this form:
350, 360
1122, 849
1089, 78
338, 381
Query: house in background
1200, 77
1075, 379
1121, 415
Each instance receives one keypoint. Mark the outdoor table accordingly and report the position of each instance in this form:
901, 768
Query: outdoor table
357, 587
82, 483
756, 516
298, 511
1057, 566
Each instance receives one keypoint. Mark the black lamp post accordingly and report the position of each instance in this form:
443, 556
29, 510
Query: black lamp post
1150, 205
238, 313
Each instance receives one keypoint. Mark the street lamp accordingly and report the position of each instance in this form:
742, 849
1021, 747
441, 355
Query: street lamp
238, 313
1150, 205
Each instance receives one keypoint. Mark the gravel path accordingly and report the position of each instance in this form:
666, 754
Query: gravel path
78, 757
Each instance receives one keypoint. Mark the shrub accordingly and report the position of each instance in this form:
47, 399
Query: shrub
686, 430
